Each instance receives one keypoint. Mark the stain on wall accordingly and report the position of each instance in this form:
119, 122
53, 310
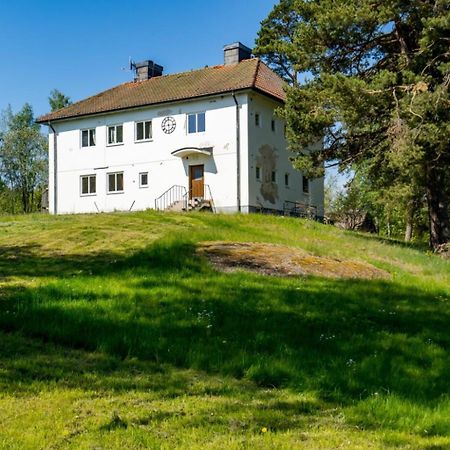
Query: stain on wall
267, 162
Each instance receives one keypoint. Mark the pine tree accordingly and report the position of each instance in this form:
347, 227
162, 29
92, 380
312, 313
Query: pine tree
372, 79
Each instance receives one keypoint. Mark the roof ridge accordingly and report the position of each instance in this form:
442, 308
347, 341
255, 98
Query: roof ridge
256, 72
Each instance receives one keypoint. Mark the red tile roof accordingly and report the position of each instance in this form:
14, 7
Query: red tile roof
248, 74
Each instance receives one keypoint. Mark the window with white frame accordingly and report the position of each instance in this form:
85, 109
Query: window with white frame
88, 184
257, 120
286, 179
143, 131
196, 123
258, 173
115, 134
115, 182
88, 137
143, 179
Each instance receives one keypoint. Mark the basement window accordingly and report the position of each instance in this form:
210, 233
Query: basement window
88, 185
115, 134
196, 123
115, 182
305, 183
143, 179
88, 138
258, 173
143, 131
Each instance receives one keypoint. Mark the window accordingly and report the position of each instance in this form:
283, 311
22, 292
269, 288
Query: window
196, 123
257, 120
305, 185
88, 138
286, 179
115, 182
274, 176
88, 184
258, 173
115, 134
143, 179
143, 131
272, 125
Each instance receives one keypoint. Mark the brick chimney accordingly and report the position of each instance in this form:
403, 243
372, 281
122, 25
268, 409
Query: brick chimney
147, 69
234, 53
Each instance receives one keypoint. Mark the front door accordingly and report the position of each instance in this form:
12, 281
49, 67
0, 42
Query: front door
196, 181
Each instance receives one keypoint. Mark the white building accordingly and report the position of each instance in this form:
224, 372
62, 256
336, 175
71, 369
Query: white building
202, 138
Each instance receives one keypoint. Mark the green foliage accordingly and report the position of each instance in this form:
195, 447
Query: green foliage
23, 161
373, 80
58, 100
126, 333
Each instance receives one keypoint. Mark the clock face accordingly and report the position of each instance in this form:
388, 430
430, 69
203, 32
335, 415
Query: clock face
168, 125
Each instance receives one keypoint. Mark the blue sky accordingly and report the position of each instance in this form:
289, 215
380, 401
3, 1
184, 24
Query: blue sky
80, 47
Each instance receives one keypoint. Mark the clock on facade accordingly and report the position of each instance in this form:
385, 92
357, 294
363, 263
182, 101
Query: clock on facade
168, 125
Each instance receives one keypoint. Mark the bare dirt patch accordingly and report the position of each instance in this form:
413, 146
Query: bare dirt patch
282, 260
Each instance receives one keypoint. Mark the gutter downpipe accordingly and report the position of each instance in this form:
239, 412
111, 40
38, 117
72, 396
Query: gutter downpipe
55, 170
238, 152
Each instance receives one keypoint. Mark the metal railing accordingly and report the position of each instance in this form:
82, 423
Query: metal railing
174, 194
298, 209
200, 201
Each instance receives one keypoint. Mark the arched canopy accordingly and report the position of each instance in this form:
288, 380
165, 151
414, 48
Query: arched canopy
188, 151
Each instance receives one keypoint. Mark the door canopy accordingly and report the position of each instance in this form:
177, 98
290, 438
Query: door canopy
188, 151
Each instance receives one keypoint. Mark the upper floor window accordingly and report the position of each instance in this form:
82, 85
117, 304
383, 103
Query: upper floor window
272, 125
196, 123
305, 183
115, 182
286, 179
257, 120
88, 184
258, 172
274, 176
143, 131
88, 138
115, 134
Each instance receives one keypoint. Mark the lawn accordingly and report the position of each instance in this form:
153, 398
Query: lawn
115, 333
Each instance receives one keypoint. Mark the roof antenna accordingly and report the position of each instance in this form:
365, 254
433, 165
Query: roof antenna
131, 65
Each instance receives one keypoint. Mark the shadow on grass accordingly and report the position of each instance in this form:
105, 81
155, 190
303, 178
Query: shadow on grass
345, 339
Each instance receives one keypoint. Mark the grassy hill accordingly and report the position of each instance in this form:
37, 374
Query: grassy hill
115, 333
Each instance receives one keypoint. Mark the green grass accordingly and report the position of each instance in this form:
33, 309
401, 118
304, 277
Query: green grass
114, 334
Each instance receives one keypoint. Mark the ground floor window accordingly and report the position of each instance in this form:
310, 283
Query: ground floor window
115, 182
306, 185
88, 184
143, 179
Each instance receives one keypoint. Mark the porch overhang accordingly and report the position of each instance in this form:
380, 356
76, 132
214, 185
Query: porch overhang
188, 151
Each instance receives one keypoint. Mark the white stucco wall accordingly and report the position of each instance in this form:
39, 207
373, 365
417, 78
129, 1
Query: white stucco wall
154, 157
268, 150
165, 170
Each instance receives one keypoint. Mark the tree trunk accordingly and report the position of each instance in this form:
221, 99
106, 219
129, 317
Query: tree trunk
437, 200
408, 230
409, 222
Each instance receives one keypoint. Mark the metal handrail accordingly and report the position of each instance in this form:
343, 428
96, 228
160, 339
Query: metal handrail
168, 198
207, 196
299, 209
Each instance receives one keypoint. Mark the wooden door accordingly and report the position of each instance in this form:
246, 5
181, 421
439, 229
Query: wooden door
196, 181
